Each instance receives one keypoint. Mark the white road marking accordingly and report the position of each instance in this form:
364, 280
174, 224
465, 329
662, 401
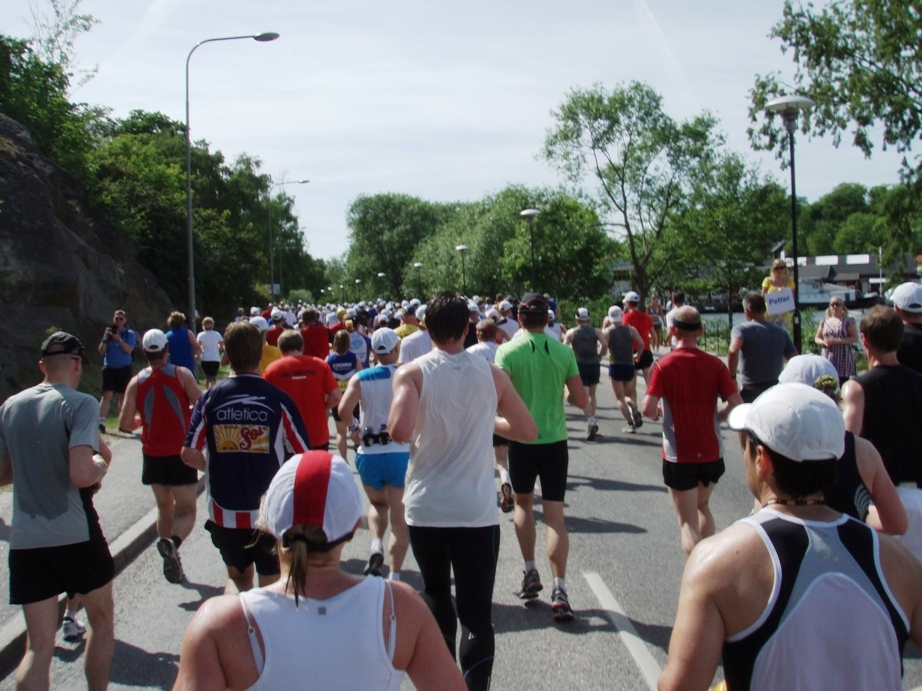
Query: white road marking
632, 641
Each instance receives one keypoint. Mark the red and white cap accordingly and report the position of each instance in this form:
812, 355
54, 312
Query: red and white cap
313, 488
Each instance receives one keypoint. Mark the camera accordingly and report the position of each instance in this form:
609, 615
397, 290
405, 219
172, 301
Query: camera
111, 330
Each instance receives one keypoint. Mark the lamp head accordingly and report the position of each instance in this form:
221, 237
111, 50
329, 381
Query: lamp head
529, 215
267, 36
461, 248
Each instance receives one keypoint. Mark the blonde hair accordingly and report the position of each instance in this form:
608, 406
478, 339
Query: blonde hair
829, 312
341, 342
296, 543
206, 322
779, 264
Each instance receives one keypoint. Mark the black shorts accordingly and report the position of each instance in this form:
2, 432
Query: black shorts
499, 441
241, 547
589, 372
116, 378
622, 373
43, 572
686, 476
167, 470
355, 413
646, 360
549, 462
751, 392
210, 368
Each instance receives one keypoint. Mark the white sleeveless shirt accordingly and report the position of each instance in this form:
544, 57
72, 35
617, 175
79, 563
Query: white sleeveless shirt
324, 644
450, 476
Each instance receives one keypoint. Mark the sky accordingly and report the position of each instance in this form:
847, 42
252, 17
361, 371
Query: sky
446, 101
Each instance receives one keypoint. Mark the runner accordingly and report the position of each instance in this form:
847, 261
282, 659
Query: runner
381, 462
343, 364
445, 403
164, 394
589, 345
636, 317
247, 425
622, 342
542, 370
212, 345
684, 389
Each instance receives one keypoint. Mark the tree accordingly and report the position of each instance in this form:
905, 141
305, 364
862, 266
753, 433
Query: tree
734, 217
859, 61
54, 36
642, 160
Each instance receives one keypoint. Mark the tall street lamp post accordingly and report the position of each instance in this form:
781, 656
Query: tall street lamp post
463, 249
357, 282
190, 268
530, 215
272, 186
789, 107
419, 282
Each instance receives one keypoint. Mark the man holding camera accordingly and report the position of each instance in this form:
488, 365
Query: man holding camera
116, 346
381, 462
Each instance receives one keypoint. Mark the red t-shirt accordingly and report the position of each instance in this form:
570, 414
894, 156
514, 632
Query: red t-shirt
642, 322
307, 380
272, 335
688, 381
316, 340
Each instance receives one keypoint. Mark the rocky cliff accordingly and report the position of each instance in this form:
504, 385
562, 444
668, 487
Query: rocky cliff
61, 265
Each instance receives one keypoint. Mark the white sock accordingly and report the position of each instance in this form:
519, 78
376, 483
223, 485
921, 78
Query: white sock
560, 584
377, 546
529, 565
393, 576
504, 476
592, 420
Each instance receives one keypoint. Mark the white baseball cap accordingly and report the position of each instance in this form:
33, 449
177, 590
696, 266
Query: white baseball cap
255, 312
908, 297
384, 340
154, 341
260, 323
313, 488
277, 315
582, 314
794, 420
615, 313
505, 306
631, 296
421, 312
806, 369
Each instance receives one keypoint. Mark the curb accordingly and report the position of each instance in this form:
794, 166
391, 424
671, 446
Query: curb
123, 549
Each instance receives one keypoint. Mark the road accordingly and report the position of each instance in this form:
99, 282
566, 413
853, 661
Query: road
624, 572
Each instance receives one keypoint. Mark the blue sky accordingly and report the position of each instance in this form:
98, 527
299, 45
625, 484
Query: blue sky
447, 101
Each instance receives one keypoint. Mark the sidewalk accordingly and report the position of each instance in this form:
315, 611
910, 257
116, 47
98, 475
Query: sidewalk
127, 512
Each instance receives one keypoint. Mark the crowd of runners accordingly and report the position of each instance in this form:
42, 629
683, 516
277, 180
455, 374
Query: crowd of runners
453, 411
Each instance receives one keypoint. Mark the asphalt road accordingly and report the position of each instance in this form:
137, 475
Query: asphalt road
623, 578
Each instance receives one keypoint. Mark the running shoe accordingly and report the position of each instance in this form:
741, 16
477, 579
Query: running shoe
638, 418
560, 606
374, 565
593, 430
507, 503
531, 585
630, 429
73, 629
172, 567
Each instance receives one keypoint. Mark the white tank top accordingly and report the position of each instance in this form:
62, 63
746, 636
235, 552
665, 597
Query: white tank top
324, 644
450, 476
377, 395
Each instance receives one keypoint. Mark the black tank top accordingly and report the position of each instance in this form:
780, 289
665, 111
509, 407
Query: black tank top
585, 344
892, 414
849, 495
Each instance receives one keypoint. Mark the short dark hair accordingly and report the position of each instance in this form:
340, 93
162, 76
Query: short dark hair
678, 297
447, 316
755, 303
176, 320
800, 479
883, 327
532, 319
309, 316
243, 344
290, 340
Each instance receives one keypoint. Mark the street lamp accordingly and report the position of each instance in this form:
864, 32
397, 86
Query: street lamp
357, 282
530, 215
462, 249
789, 107
272, 186
190, 268
419, 282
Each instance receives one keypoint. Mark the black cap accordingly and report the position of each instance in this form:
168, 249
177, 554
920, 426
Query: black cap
533, 302
63, 343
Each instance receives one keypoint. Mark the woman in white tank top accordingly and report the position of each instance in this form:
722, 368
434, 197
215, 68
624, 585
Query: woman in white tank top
318, 626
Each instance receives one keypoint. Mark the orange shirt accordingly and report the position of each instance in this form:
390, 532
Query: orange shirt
307, 380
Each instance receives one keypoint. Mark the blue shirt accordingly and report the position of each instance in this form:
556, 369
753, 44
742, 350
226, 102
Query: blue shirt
116, 357
180, 348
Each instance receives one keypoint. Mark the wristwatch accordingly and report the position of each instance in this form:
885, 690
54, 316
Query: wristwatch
353, 427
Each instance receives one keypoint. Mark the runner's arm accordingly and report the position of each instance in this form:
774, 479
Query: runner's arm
193, 457
84, 469
408, 382
887, 513
200, 667
189, 385
853, 406
515, 421
650, 407
733, 355
196, 346
129, 407
576, 392
732, 401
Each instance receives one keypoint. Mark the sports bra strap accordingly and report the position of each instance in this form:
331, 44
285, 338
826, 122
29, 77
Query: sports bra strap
254, 641
392, 626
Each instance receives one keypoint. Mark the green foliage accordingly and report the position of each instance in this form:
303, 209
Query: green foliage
642, 161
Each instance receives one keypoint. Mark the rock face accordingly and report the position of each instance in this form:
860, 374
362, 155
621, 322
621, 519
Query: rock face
61, 265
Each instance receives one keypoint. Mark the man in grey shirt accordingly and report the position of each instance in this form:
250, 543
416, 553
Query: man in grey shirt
51, 447
759, 349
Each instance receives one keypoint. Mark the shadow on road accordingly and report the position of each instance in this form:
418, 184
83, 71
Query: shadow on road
595, 525
574, 482
133, 666
205, 592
